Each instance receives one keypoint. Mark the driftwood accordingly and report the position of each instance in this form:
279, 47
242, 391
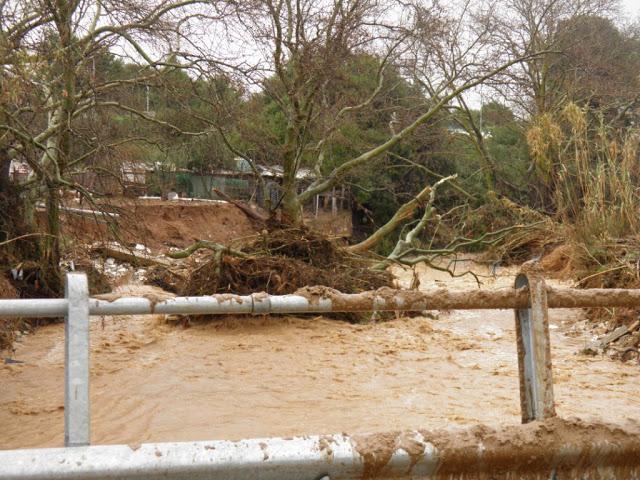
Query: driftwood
619, 332
125, 255
242, 206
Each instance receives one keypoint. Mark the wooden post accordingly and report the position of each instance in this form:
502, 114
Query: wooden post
334, 203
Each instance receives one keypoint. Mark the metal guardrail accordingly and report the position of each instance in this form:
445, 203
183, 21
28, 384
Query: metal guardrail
336, 456
537, 450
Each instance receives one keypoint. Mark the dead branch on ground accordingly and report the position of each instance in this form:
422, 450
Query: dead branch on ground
241, 205
206, 244
415, 255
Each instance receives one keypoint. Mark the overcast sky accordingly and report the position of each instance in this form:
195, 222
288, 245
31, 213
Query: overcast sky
632, 7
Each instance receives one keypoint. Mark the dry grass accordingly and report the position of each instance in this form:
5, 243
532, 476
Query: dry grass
594, 179
592, 172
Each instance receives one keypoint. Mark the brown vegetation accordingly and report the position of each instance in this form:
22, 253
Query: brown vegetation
283, 261
592, 172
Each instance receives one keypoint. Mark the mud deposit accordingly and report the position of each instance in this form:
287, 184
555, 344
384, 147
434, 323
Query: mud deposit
286, 376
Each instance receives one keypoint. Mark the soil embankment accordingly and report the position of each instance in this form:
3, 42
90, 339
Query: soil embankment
256, 377
160, 224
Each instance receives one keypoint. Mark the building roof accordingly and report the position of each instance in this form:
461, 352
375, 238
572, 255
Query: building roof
19, 168
276, 171
136, 166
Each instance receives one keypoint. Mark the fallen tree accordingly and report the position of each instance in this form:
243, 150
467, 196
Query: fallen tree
402, 215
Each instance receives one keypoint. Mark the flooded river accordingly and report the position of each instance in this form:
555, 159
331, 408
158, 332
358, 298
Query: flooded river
256, 377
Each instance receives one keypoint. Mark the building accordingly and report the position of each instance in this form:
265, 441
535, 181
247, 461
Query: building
19, 171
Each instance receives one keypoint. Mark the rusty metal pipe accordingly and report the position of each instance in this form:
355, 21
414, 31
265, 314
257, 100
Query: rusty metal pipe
322, 299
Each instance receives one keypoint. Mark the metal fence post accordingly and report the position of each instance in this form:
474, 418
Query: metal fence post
534, 348
76, 362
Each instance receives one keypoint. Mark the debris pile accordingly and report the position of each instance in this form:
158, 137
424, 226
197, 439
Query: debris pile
131, 263
168, 279
614, 264
521, 244
623, 341
98, 281
282, 261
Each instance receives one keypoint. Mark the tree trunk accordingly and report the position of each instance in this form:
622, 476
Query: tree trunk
424, 199
5, 169
290, 206
489, 167
403, 214
51, 274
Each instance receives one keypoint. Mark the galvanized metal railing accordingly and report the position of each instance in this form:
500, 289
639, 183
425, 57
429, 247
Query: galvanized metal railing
335, 456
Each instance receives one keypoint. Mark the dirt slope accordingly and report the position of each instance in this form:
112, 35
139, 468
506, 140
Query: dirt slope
284, 376
158, 224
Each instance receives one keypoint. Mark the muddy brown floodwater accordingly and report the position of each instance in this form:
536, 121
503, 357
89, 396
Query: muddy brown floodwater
257, 377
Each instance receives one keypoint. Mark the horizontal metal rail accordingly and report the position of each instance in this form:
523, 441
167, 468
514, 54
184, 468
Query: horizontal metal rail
325, 300
82, 211
544, 448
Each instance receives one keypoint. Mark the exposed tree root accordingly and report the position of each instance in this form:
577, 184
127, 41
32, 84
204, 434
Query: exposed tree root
281, 262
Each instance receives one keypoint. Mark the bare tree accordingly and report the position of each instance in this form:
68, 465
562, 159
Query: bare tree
50, 49
304, 42
522, 27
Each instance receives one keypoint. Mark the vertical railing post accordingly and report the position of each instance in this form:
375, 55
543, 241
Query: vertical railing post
76, 362
534, 348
